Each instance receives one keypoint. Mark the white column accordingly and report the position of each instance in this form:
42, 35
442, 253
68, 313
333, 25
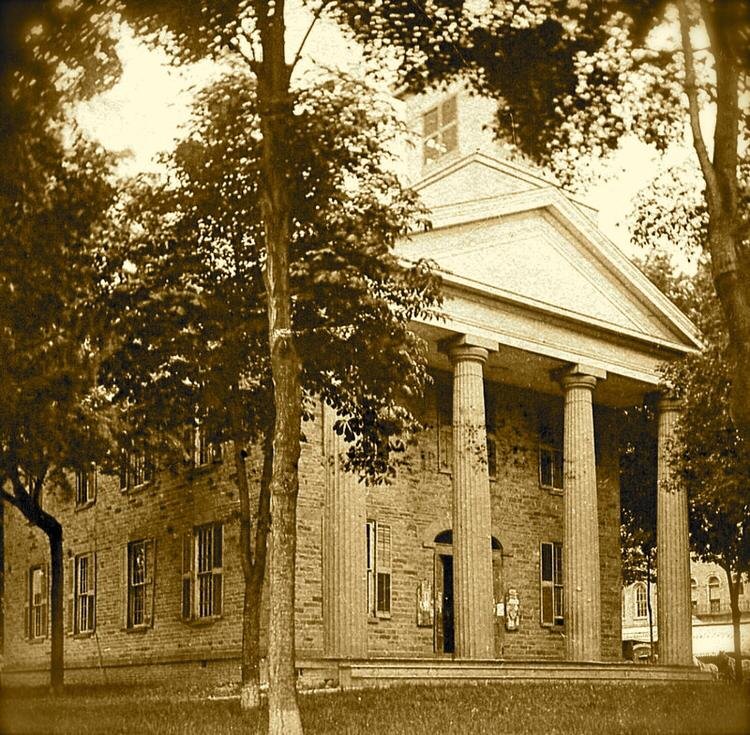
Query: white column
344, 550
674, 614
472, 541
581, 523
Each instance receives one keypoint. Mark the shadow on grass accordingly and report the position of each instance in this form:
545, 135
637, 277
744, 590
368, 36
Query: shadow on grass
546, 708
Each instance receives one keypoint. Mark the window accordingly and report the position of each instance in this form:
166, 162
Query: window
444, 394
551, 582
641, 603
378, 569
714, 599
201, 451
202, 572
138, 573
490, 415
550, 450
82, 594
85, 486
444, 397
440, 130
136, 469
694, 595
37, 605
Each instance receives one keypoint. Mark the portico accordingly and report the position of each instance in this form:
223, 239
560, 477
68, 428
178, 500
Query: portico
536, 301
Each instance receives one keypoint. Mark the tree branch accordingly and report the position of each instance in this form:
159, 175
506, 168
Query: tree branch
8, 498
316, 16
691, 90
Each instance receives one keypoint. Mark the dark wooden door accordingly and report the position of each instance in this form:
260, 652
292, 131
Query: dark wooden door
444, 620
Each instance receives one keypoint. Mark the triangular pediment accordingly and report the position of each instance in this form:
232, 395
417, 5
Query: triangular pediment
479, 176
534, 247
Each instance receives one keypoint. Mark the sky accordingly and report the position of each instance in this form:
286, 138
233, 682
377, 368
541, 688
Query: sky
142, 115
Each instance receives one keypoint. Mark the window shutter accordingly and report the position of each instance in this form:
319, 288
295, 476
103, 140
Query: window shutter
45, 600
370, 551
125, 585
94, 482
92, 606
218, 568
71, 596
187, 575
148, 602
546, 582
27, 605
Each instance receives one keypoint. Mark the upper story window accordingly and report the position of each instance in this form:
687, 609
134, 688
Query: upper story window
440, 130
85, 486
444, 394
136, 468
641, 602
201, 450
551, 450
714, 595
694, 595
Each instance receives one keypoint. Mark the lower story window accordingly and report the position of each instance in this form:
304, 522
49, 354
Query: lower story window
378, 569
551, 583
37, 596
82, 594
139, 566
202, 572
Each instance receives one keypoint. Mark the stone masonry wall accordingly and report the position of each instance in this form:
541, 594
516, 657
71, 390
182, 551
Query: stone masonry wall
417, 506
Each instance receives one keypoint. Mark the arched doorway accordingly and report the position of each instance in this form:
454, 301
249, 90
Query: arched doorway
444, 621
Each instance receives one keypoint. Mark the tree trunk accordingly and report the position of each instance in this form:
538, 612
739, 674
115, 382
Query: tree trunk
253, 557
57, 663
726, 221
651, 657
275, 111
734, 604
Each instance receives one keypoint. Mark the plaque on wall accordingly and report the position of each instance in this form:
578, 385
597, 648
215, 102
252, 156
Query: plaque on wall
425, 607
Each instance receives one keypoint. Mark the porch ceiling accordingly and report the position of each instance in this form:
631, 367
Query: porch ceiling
533, 371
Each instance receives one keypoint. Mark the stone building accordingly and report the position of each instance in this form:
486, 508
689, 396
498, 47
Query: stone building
712, 631
498, 539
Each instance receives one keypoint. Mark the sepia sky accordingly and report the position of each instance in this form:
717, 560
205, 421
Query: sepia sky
143, 113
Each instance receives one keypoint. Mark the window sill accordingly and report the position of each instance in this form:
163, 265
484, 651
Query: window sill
135, 488
551, 490
83, 636
36, 641
201, 622
383, 615
84, 506
137, 628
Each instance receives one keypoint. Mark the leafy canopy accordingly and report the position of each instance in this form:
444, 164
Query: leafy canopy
185, 282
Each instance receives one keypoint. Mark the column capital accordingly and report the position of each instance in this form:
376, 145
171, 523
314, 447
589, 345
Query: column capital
578, 380
468, 352
468, 347
668, 404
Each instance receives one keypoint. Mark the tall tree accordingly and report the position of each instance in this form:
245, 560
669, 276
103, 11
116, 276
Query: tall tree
714, 458
199, 30
191, 306
53, 190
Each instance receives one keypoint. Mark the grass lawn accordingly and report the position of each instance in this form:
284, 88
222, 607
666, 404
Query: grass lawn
518, 708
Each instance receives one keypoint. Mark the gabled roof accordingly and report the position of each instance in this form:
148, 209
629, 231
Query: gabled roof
513, 235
